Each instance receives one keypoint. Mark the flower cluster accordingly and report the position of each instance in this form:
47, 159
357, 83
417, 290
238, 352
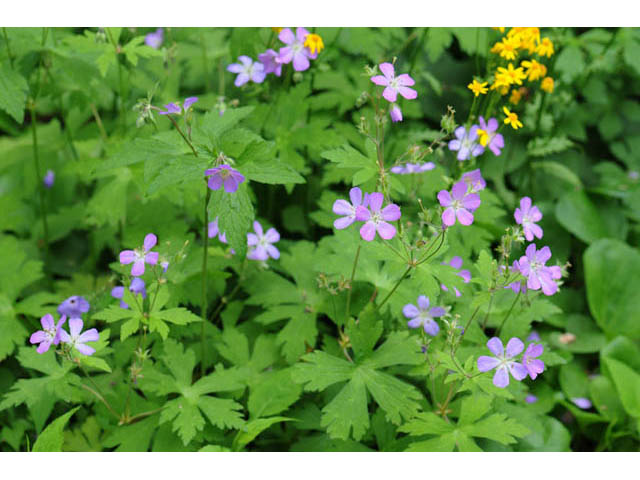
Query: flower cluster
505, 361
299, 49
394, 86
472, 142
367, 209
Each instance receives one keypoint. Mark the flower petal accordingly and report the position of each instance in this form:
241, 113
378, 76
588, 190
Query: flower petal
487, 363
138, 268
75, 326
495, 346
410, 311
386, 230
431, 328
127, 256
368, 231
514, 347
501, 378
423, 302
342, 207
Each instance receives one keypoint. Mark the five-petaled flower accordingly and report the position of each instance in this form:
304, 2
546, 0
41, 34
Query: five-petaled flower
73, 306
423, 316
247, 70
526, 215
224, 174
76, 339
376, 219
466, 143
261, 243
511, 118
137, 287
478, 88
394, 85
140, 256
49, 334
174, 108
474, 180
489, 136
539, 276
531, 363
458, 204
342, 207
504, 363
296, 51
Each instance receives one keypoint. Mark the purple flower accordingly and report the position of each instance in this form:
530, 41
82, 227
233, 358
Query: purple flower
530, 362
174, 108
456, 262
214, 231
581, 402
395, 113
474, 180
77, 339
423, 316
466, 143
532, 266
226, 175
48, 179
376, 219
140, 256
412, 168
394, 85
489, 137
503, 363
459, 204
73, 307
269, 60
295, 51
526, 215
262, 243
165, 266
519, 285
531, 398
342, 207
137, 287
247, 70
154, 39
49, 334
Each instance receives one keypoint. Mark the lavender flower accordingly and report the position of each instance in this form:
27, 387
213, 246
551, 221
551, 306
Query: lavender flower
534, 336
456, 262
474, 180
519, 285
466, 143
165, 266
49, 334
531, 398
247, 70
413, 168
141, 256
581, 402
77, 339
489, 136
295, 51
531, 363
376, 219
526, 215
174, 108
394, 85
269, 60
137, 287
539, 276
503, 363
262, 243
154, 39
395, 113
342, 207
226, 175
423, 316
214, 231
48, 179
73, 307
459, 204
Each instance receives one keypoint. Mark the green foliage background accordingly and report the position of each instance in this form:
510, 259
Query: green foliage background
272, 375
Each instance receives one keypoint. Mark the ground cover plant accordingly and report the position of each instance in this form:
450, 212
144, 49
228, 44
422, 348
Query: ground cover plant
319, 239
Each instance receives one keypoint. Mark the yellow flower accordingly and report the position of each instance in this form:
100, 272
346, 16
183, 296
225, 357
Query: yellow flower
510, 75
512, 119
535, 70
276, 29
508, 48
545, 48
478, 88
515, 97
547, 84
484, 137
314, 42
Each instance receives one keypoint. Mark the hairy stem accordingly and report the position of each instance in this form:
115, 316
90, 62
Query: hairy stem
205, 255
395, 287
353, 274
504, 320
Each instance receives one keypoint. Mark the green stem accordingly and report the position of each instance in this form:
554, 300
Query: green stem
515, 300
205, 255
353, 274
486, 317
425, 258
404, 275
466, 327
6, 42
175, 124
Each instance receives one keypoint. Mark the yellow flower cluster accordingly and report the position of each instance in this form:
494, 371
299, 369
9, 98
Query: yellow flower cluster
521, 39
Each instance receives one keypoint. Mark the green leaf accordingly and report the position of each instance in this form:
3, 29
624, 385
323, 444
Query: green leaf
213, 125
178, 316
613, 298
272, 172
627, 383
346, 415
560, 171
542, 147
51, 438
235, 214
348, 157
254, 428
580, 216
13, 92
497, 427
274, 394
